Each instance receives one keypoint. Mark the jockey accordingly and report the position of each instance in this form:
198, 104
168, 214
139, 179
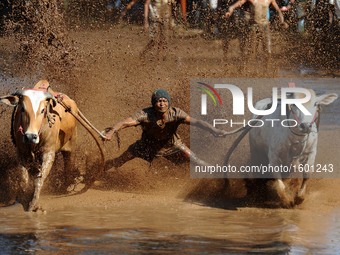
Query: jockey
159, 137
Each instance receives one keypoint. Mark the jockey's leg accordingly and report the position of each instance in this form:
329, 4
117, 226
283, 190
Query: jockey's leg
191, 155
121, 160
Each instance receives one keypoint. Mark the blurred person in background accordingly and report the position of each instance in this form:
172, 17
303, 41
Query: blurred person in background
260, 29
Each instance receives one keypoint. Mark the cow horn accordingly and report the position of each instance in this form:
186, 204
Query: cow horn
18, 92
49, 96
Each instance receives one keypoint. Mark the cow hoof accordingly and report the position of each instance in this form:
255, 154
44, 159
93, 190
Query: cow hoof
40, 210
287, 204
77, 185
299, 200
36, 209
75, 188
300, 196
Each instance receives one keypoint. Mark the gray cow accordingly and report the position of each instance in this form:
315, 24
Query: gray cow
276, 145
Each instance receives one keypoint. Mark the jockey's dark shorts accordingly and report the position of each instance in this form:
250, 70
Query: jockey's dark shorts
149, 150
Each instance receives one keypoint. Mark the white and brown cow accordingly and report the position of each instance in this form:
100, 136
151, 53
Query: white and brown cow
40, 128
277, 145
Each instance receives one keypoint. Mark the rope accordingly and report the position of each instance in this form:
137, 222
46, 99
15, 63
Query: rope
95, 129
246, 129
88, 126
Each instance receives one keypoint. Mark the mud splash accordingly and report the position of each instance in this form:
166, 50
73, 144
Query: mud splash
156, 209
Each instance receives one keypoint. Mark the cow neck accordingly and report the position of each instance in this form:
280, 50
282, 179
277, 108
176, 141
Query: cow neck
304, 144
296, 141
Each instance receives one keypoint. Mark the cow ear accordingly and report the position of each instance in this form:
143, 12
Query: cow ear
327, 99
10, 100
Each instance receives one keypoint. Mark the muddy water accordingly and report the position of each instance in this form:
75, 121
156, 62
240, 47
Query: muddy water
133, 215
178, 229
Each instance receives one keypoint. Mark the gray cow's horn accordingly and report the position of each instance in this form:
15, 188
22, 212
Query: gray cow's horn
18, 92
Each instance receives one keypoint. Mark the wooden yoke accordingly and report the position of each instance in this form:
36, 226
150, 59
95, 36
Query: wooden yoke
44, 85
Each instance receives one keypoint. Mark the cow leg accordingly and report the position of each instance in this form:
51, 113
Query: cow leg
256, 189
300, 197
48, 159
24, 182
26, 190
69, 174
277, 186
280, 189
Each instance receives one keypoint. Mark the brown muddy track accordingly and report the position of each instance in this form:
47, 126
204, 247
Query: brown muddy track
110, 82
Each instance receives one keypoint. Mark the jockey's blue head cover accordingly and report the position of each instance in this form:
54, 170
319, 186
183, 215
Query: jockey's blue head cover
160, 93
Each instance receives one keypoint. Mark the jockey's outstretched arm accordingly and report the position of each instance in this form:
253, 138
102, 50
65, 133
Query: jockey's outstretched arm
204, 125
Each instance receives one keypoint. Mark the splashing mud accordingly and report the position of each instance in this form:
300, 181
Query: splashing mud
101, 70
40, 31
110, 82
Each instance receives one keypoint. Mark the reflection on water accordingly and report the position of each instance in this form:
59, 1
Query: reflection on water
184, 230
69, 240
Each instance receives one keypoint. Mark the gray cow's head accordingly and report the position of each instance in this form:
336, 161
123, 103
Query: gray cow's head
32, 106
305, 122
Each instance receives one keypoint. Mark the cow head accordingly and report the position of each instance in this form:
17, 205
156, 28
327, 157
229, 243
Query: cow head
32, 106
305, 122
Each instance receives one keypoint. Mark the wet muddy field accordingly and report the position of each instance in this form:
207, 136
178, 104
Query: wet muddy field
158, 209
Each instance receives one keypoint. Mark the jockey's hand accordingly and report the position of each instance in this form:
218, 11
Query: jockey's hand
220, 133
108, 133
